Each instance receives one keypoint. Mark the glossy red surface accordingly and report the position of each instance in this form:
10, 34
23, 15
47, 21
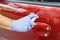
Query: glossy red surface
47, 15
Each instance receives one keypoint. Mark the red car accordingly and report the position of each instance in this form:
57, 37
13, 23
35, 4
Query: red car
48, 23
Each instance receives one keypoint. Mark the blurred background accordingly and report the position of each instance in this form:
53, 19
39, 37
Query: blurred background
35, 0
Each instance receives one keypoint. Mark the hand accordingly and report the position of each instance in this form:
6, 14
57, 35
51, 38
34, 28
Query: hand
24, 24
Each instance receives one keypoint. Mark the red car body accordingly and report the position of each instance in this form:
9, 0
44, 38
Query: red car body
48, 17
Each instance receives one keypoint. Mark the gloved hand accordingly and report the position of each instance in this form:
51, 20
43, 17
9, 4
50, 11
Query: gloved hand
24, 24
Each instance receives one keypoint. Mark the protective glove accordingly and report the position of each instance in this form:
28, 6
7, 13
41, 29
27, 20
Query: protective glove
24, 24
